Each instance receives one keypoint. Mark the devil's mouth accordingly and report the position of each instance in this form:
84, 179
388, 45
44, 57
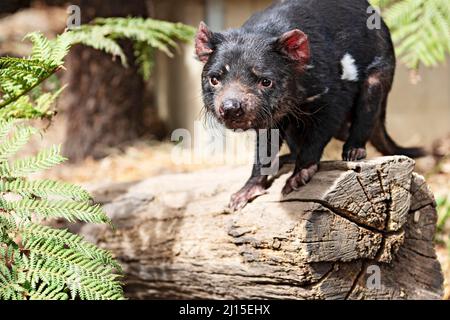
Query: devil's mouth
239, 124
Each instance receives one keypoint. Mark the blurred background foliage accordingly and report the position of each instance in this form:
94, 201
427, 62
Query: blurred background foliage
420, 29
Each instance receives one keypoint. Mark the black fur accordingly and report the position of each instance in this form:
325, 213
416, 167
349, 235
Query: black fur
307, 99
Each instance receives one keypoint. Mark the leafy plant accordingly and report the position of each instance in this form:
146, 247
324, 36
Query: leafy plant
420, 29
443, 208
19, 76
148, 35
36, 260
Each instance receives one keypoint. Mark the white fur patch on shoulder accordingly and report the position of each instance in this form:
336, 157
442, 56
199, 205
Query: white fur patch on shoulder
349, 69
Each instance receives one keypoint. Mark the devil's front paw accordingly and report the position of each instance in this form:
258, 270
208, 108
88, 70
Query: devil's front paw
354, 154
300, 178
248, 193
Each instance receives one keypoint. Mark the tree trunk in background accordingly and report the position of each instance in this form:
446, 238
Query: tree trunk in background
104, 100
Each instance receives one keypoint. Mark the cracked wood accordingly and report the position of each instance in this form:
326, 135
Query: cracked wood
175, 240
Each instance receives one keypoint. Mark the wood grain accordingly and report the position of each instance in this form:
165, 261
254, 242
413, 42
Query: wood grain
175, 239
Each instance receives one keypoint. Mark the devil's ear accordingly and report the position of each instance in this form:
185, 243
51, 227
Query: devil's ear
295, 45
203, 46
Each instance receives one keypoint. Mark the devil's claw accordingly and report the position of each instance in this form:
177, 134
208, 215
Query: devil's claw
354, 154
300, 178
248, 193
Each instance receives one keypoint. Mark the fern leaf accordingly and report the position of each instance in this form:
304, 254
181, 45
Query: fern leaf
23, 108
86, 278
5, 127
7, 224
146, 34
48, 292
42, 48
10, 277
10, 289
43, 160
44, 189
21, 137
94, 37
420, 30
60, 48
144, 54
20, 76
68, 210
44, 101
33, 232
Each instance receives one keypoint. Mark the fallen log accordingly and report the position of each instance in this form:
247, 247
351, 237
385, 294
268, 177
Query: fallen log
359, 230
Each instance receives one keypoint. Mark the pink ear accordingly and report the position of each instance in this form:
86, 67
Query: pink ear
202, 42
295, 45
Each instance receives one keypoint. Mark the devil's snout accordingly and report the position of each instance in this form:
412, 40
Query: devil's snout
231, 109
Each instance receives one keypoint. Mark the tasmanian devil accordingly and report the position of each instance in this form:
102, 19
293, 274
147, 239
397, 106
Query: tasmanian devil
312, 69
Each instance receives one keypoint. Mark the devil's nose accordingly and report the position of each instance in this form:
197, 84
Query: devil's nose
231, 108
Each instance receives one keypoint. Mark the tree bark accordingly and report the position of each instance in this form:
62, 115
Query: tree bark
104, 100
359, 230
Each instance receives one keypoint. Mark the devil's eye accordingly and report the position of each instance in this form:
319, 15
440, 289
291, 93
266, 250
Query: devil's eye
214, 81
266, 83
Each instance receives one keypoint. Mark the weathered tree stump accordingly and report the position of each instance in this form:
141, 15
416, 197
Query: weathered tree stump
360, 230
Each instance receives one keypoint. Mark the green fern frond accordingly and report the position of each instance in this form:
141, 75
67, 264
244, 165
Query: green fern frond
42, 48
69, 210
44, 101
144, 54
33, 232
8, 227
84, 277
44, 189
11, 277
6, 224
47, 263
20, 76
10, 288
420, 30
46, 291
34, 68
90, 289
45, 267
59, 49
149, 34
23, 108
5, 127
139, 30
45, 159
21, 137
54, 254
39, 270
95, 38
